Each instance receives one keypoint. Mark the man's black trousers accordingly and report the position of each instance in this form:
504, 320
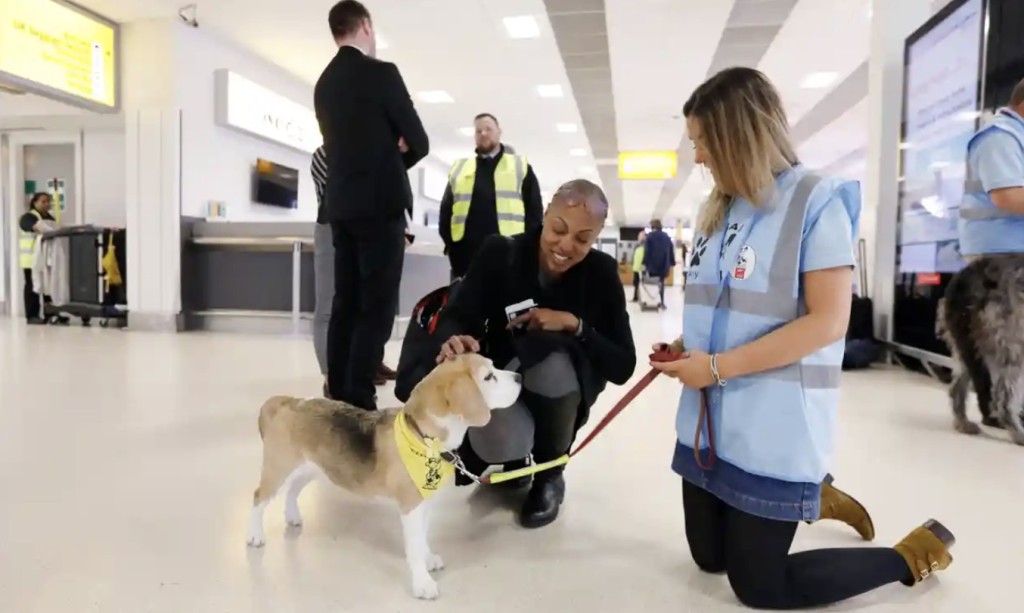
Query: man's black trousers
368, 256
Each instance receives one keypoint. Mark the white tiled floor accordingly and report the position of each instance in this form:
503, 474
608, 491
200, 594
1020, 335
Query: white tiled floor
128, 460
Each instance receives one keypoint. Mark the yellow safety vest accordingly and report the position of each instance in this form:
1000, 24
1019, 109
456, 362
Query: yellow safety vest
422, 459
508, 190
27, 244
638, 259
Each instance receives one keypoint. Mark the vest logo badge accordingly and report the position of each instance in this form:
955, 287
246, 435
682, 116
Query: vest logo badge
746, 261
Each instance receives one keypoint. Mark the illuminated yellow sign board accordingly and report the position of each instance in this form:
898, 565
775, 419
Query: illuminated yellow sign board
640, 165
61, 51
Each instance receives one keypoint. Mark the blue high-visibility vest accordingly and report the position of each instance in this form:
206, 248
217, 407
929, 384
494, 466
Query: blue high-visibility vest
985, 228
776, 424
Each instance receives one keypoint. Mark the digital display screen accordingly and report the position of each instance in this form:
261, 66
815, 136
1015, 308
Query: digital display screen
60, 51
940, 116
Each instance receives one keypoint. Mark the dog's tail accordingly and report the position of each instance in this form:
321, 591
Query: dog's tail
269, 410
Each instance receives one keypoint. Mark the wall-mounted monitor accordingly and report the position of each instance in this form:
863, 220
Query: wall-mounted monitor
61, 51
630, 233
276, 185
941, 109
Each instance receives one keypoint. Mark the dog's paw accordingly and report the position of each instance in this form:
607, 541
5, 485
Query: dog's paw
255, 540
1017, 437
434, 562
294, 520
967, 427
993, 422
425, 588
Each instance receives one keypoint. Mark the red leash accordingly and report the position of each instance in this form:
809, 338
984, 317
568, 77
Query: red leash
662, 355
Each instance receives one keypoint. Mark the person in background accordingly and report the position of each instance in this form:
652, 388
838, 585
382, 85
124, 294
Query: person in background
638, 266
495, 192
992, 212
659, 257
33, 223
764, 319
372, 136
323, 275
546, 304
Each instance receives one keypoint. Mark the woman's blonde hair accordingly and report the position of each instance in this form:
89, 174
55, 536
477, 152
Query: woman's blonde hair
746, 134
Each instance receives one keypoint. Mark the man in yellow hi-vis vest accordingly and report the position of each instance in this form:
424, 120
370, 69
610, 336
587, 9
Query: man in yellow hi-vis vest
494, 192
31, 226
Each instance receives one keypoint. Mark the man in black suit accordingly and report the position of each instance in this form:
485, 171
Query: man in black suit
372, 136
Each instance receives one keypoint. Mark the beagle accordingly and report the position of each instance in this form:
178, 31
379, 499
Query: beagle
401, 454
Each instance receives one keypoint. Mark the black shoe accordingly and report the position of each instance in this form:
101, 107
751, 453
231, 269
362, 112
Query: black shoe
36, 321
543, 501
521, 482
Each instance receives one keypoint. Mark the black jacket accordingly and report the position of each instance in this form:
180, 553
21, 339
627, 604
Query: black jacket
506, 271
483, 214
363, 108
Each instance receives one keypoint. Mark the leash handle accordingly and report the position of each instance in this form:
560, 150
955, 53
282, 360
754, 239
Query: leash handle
704, 418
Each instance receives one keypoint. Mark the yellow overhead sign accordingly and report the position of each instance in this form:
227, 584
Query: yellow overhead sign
648, 165
53, 48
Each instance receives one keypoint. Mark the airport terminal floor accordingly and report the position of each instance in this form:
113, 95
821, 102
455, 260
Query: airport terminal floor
128, 461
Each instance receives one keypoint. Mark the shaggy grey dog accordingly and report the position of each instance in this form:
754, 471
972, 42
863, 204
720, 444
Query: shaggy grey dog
981, 318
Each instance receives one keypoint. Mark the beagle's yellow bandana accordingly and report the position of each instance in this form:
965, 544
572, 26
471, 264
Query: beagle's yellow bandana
422, 459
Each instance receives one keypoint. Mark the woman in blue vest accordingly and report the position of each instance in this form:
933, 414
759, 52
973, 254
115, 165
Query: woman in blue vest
767, 305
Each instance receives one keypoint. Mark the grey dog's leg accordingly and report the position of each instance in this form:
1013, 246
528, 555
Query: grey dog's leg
958, 394
1012, 416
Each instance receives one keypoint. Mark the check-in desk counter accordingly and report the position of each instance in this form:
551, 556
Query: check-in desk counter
259, 277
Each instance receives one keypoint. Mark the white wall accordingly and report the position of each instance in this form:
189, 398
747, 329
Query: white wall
217, 163
103, 172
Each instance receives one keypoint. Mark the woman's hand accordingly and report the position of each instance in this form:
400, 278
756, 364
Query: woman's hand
675, 346
693, 370
457, 345
546, 319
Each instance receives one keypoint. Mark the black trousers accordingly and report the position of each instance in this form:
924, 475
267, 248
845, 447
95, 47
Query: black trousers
33, 304
636, 286
754, 552
368, 257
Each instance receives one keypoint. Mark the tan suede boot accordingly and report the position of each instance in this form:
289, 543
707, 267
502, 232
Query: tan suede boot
926, 550
839, 506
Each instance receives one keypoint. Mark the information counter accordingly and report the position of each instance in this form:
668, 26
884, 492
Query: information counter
259, 277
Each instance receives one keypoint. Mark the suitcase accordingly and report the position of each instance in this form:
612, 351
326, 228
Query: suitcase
862, 319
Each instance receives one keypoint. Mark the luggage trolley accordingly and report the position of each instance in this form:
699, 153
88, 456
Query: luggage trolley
649, 300
88, 293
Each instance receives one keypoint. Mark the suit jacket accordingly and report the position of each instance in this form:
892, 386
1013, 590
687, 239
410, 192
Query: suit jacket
363, 108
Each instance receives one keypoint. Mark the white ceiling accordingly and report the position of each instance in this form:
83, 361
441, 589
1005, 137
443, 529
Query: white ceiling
658, 51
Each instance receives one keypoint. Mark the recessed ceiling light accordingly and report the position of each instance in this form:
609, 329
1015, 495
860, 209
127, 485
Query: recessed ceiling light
467, 131
435, 97
587, 170
819, 80
550, 91
578, 152
523, 26
567, 128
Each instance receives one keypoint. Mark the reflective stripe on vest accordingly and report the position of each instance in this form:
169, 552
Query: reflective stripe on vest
984, 227
27, 244
509, 175
776, 424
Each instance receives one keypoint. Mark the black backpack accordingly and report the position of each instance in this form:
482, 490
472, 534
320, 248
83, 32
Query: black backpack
420, 347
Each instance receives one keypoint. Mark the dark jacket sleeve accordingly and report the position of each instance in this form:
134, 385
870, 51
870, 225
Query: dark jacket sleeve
444, 217
403, 117
610, 346
533, 202
466, 311
28, 222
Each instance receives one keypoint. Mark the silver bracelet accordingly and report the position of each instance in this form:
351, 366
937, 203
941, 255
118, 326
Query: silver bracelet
714, 371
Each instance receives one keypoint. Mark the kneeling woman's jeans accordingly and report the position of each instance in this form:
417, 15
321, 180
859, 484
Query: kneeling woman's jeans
542, 421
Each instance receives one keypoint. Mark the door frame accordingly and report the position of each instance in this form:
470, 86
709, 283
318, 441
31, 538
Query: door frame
16, 142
